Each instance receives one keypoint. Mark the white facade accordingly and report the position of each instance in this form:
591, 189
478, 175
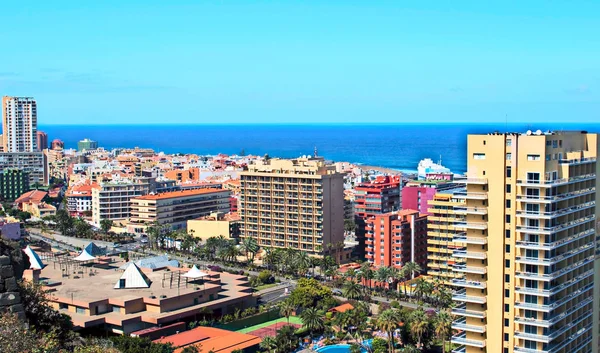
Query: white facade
19, 124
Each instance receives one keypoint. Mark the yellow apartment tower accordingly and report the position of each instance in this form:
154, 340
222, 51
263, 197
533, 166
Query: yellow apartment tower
444, 235
293, 203
530, 287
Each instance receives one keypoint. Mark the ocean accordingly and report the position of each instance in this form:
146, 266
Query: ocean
396, 146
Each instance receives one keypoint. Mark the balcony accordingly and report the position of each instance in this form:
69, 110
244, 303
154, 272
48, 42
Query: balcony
463, 238
577, 161
471, 225
470, 210
459, 282
554, 290
556, 259
469, 269
461, 296
468, 313
556, 274
474, 181
462, 340
557, 182
547, 338
556, 244
470, 254
462, 325
552, 319
471, 195
557, 347
557, 213
555, 198
555, 229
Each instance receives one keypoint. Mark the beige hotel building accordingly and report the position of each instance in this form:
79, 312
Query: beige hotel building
293, 203
532, 278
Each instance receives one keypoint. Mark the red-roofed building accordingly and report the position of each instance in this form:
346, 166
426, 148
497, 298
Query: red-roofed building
79, 198
213, 339
31, 197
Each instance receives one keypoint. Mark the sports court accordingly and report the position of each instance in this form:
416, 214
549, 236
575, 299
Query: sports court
270, 328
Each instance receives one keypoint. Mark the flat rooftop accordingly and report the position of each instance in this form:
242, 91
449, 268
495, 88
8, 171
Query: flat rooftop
180, 193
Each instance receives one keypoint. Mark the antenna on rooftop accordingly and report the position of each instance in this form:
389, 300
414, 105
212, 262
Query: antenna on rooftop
316, 152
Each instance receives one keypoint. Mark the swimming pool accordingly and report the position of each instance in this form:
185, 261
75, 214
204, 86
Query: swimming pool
341, 348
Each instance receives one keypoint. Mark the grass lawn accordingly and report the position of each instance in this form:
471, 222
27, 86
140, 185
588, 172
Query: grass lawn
293, 320
265, 286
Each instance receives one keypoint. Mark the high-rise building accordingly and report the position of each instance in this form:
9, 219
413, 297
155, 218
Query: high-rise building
42, 140
532, 272
379, 196
112, 200
13, 183
35, 164
447, 214
416, 194
19, 124
86, 145
294, 203
395, 238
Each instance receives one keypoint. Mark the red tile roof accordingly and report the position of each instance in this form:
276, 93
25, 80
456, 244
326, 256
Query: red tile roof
342, 308
211, 339
33, 196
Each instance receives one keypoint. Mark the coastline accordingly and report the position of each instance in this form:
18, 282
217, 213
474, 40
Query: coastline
386, 169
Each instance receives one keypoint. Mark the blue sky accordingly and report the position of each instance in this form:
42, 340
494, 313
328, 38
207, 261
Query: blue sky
106, 62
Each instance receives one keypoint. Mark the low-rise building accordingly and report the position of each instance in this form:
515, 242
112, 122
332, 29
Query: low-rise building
30, 197
225, 224
175, 208
214, 340
79, 198
39, 210
395, 238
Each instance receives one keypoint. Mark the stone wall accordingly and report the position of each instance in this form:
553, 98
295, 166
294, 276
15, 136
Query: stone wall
12, 264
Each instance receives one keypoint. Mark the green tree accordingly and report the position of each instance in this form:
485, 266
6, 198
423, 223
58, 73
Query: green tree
106, 225
313, 320
418, 325
286, 309
250, 248
285, 340
12, 328
388, 321
366, 273
355, 348
412, 268
443, 327
309, 293
190, 349
352, 290
128, 344
268, 344
379, 345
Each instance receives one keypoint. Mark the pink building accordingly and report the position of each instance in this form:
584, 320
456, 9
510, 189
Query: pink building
416, 194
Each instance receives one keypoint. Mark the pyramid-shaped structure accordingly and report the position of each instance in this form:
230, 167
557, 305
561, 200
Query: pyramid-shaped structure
34, 259
84, 256
133, 277
194, 272
94, 249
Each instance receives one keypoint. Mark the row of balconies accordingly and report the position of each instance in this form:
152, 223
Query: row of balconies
558, 228
555, 198
557, 182
556, 274
555, 289
555, 244
556, 259
557, 213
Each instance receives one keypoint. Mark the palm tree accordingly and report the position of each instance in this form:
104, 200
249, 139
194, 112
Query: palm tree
412, 267
418, 325
352, 274
388, 321
366, 273
313, 320
249, 247
302, 262
352, 290
443, 327
268, 343
382, 274
286, 309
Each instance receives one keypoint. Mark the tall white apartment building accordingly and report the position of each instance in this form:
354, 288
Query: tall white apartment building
19, 124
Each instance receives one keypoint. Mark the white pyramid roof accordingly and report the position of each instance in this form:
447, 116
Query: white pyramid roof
194, 272
34, 259
84, 256
133, 277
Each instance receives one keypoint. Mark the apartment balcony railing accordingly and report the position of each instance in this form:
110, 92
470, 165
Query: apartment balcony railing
469, 269
556, 259
471, 225
469, 313
556, 198
556, 289
459, 282
547, 338
463, 238
557, 303
555, 244
462, 325
471, 195
555, 274
552, 319
576, 161
480, 255
555, 229
467, 180
462, 339
461, 296
557, 213
470, 210
557, 182
554, 348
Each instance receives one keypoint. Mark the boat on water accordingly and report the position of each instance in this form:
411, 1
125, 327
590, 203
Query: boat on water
428, 166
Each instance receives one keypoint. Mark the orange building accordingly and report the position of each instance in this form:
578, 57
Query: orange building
184, 176
395, 238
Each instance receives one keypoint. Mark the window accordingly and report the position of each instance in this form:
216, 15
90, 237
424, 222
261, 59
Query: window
507, 233
533, 157
560, 143
506, 322
508, 142
507, 279
507, 203
508, 172
508, 188
507, 248
507, 218
554, 143
508, 156
548, 157
506, 334
548, 143
484, 142
507, 263
478, 155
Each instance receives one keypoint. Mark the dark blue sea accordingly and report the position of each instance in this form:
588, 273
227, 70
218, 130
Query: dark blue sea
398, 146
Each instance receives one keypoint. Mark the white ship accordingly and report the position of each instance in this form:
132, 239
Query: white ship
428, 166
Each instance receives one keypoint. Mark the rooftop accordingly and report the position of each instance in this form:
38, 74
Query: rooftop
179, 193
211, 339
33, 196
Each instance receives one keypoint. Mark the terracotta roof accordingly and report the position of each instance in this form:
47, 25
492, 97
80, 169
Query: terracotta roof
181, 193
33, 196
342, 308
210, 338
